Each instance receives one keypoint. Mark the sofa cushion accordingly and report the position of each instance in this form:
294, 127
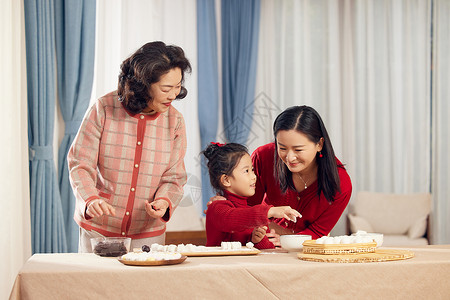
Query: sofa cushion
418, 228
402, 241
392, 213
359, 223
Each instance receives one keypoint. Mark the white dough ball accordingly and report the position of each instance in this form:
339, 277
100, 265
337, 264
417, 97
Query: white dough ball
329, 240
154, 247
346, 240
367, 239
359, 239
321, 240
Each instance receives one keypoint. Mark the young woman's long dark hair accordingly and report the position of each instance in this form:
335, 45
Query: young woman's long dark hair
145, 67
306, 120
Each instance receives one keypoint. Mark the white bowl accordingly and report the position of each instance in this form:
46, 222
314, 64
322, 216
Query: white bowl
377, 237
293, 242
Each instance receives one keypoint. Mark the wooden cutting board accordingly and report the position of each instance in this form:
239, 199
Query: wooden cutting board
377, 256
216, 251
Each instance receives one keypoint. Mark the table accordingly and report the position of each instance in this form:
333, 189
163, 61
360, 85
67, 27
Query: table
262, 276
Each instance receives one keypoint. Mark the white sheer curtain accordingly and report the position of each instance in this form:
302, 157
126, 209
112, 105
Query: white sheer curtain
300, 62
365, 67
392, 91
122, 27
441, 124
14, 184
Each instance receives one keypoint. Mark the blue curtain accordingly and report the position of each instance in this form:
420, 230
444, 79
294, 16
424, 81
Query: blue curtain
240, 29
75, 49
208, 91
47, 227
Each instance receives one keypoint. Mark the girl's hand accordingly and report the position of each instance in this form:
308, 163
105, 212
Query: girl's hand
274, 238
284, 212
157, 208
212, 199
98, 207
258, 234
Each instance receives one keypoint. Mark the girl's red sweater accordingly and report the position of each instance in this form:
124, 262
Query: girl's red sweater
233, 220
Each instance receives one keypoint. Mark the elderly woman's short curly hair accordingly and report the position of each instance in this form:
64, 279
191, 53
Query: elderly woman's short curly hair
145, 67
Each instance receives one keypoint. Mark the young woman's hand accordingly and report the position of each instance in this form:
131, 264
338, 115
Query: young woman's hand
284, 212
99, 207
258, 234
157, 208
212, 199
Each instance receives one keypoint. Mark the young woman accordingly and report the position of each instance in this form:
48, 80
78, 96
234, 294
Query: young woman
231, 175
300, 169
127, 160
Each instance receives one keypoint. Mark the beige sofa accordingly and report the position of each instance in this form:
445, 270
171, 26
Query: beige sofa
402, 218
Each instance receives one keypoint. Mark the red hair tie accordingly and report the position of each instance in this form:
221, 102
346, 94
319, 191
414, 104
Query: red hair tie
218, 144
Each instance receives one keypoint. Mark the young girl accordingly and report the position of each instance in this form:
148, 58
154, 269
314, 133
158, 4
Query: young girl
231, 175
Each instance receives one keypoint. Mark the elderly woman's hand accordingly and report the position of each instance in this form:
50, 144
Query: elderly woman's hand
212, 199
157, 208
99, 207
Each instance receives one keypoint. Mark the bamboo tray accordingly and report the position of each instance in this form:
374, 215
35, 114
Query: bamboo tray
378, 256
311, 247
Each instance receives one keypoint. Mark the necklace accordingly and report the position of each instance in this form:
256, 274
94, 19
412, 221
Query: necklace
305, 182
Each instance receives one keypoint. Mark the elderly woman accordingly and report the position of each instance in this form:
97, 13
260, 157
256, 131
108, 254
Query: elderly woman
127, 161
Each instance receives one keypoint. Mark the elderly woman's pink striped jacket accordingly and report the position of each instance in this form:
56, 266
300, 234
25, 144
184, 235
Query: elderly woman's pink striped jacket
126, 160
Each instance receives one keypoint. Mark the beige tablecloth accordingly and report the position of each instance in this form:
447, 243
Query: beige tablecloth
263, 276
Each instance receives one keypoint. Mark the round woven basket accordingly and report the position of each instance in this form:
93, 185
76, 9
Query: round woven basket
379, 255
312, 247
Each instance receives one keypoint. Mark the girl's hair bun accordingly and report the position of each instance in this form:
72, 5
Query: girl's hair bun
211, 149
